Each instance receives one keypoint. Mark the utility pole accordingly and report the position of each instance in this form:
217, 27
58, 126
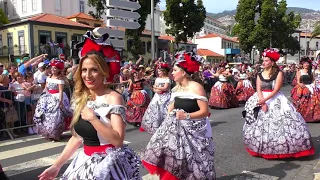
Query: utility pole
152, 31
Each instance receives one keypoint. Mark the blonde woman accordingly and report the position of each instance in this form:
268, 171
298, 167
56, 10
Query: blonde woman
98, 123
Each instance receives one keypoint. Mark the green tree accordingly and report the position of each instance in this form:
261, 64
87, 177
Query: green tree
264, 23
3, 18
184, 18
135, 34
316, 30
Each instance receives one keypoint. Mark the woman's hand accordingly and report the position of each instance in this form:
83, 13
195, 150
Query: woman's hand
265, 108
50, 173
61, 104
261, 102
9, 101
88, 114
181, 115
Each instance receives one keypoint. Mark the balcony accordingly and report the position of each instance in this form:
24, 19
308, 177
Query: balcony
15, 50
52, 52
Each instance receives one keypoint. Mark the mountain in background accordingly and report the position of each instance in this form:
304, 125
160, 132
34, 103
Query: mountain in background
309, 17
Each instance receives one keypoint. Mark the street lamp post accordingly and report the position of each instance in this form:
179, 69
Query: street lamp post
152, 31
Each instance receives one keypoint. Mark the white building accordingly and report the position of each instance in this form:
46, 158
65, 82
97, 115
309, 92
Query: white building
306, 43
224, 45
20, 9
211, 25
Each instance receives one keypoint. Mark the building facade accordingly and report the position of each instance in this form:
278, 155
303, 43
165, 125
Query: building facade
223, 45
211, 26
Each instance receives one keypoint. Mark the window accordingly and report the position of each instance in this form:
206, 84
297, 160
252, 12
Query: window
22, 48
14, 6
34, 5
58, 5
81, 6
1, 44
308, 46
5, 7
24, 6
10, 43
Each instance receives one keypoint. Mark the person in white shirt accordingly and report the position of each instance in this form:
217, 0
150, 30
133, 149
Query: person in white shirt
40, 76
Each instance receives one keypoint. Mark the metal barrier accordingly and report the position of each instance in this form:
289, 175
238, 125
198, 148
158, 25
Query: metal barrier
21, 108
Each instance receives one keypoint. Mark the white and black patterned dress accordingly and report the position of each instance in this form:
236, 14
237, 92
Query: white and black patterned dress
157, 109
182, 149
49, 117
281, 132
108, 164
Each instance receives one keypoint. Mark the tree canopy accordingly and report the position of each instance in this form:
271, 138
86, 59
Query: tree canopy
184, 18
265, 23
3, 18
135, 34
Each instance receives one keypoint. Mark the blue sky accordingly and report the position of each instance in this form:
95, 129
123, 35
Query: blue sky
216, 6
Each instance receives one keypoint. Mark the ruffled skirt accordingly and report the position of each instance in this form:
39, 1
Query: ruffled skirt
116, 163
155, 113
49, 117
137, 106
223, 96
281, 132
181, 149
306, 100
244, 90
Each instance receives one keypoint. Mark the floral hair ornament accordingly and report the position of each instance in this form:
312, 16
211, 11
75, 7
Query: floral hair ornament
57, 63
305, 59
272, 53
163, 65
188, 61
97, 42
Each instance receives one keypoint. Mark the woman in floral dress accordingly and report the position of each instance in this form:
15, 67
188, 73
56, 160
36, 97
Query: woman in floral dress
158, 107
182, 147
244, 89
305, 95
139, 99
53, 107
223, 94
273, 128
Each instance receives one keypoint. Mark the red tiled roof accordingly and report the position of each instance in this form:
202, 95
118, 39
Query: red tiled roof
212, 35
51, 18
170, 38
83, 16
207, 52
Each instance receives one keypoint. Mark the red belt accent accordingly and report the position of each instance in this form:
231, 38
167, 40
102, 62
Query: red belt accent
89, 150
53, 91
267, 90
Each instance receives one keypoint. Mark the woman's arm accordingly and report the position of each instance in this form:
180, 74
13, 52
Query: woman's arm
277, 87
61, 88
171, 106
298, 75
71, 147
258, 87
114, 134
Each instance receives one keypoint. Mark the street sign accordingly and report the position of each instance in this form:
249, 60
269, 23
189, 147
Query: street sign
120, 23
112, 32
120, 13
124, 14
123, 4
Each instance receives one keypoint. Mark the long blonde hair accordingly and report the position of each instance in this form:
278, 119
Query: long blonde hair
81, 93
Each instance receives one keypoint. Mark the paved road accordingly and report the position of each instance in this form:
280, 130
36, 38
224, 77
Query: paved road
25, 158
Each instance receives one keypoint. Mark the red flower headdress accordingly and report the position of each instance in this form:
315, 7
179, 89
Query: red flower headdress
188, 61
163, 65
273, 54
305, 59
96, 42
57, 63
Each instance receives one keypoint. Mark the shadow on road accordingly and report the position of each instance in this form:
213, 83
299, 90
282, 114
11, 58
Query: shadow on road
213, 123
276, 171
